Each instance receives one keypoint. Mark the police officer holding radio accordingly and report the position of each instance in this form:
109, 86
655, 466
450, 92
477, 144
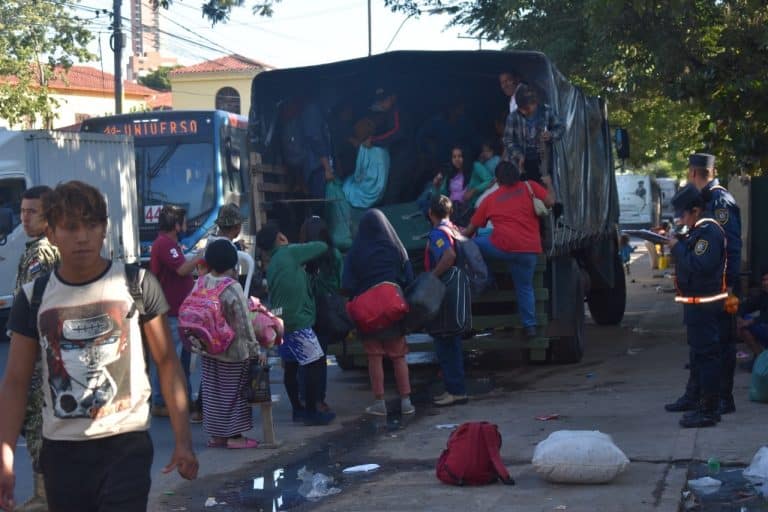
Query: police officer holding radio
721, 206
700, 259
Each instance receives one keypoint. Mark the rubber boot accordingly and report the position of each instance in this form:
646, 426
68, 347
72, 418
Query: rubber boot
705, 416
38, 501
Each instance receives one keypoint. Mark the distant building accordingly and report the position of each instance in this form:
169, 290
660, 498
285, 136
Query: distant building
223, 84
83, 92
145, 41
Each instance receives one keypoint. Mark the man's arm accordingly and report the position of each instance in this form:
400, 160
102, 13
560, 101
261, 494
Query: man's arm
549, 199
303, 253
174, 391
13, 401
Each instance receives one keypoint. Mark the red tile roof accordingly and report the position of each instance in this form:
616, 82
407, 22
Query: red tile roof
161, 101
229, 63
88, 79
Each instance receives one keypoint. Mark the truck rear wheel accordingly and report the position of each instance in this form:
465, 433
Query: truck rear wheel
607, 304
568, 349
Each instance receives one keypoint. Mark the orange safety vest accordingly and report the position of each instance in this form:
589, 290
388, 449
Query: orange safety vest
723, 288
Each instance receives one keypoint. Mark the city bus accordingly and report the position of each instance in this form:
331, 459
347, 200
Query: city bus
194, 159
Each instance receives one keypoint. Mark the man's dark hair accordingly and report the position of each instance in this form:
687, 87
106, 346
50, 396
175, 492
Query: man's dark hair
38, 192
526, 96
441, 206
169, 216
267, 236
507, 173
77, 201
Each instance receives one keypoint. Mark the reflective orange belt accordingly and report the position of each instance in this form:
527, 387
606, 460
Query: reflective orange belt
701, 300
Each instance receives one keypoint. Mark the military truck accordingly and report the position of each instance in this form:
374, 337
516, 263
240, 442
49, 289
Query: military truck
580, 263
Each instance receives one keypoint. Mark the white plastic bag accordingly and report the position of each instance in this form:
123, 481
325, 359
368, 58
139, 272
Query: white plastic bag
758, 468
579, 457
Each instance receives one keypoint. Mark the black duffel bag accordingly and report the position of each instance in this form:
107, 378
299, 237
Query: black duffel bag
455, 315
425, 297
332, 319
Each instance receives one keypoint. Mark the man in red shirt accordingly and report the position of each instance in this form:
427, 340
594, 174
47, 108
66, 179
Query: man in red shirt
516, 238
174, 271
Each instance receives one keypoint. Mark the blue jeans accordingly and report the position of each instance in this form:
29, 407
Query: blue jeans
184, 355
451, 358
522, 266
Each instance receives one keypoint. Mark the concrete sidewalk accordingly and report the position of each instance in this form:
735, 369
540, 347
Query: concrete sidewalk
628, 373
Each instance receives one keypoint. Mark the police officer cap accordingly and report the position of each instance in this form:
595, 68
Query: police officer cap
685, 199
703, 160
221, 255
229, 216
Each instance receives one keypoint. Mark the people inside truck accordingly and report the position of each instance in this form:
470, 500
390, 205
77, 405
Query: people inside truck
377, 255
455, 185
529, 133
366, 186
392, 132
483, 170
289, 294
510, 81
516, 237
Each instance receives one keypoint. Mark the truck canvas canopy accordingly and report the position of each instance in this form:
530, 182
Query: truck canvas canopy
427, 84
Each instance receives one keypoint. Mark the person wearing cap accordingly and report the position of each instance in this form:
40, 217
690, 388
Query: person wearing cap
722, 207
700, 282
226, 412
229, 223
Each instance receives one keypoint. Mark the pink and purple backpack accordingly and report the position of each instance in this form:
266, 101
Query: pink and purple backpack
202, 325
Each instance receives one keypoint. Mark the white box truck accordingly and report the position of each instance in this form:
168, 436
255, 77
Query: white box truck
30, 158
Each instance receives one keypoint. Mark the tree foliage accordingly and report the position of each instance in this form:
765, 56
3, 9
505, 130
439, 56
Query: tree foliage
679, 74
158, 79
37, 39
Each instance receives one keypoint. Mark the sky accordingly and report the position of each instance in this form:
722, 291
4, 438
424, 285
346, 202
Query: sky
301, 32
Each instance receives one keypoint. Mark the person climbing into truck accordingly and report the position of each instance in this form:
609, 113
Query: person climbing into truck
529, 133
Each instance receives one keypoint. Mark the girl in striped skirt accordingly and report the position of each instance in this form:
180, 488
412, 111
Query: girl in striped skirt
226, 413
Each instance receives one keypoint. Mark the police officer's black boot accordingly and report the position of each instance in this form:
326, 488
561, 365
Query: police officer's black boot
705, 415
726, 405
684, 403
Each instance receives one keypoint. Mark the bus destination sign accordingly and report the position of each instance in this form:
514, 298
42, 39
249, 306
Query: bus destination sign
158, 128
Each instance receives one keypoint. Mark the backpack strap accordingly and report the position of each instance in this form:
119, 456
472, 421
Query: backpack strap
494, 455
38, 289
133, 280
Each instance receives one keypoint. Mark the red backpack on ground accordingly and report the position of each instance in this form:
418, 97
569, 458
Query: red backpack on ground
472, 456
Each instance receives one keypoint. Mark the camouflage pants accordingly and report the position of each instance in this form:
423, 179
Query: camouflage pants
33, 417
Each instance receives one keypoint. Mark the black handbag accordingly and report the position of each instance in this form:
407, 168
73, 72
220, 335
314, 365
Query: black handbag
257, 389
455, 315
425, 297
332, 319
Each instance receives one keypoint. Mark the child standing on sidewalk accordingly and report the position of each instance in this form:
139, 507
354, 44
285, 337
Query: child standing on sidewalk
289, 293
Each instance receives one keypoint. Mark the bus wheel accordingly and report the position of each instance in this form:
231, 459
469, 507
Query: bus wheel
607, 304
568, 349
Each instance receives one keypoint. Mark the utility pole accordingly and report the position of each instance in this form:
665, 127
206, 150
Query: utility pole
369, 28
117, 46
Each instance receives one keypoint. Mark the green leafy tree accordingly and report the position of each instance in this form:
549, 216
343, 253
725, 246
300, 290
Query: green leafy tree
37, 40
158, 79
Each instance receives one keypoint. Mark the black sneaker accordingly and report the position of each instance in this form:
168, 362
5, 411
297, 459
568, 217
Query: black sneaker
318, 418
682, 404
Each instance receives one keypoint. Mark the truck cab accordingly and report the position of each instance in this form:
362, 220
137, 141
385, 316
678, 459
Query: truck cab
580, 261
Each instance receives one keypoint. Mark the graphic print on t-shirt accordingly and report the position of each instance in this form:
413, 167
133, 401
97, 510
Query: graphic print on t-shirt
89, 366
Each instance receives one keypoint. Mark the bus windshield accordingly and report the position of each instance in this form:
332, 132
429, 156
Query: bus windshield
178, 173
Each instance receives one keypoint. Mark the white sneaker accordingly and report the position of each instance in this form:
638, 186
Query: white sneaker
406, 407
441, 396
379, 408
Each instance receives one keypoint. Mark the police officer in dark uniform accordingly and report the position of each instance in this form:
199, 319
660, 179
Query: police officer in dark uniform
721, 206
700, 280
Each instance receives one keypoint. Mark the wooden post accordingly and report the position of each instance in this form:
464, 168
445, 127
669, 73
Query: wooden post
268, 427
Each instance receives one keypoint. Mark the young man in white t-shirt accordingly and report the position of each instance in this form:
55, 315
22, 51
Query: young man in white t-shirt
96, 453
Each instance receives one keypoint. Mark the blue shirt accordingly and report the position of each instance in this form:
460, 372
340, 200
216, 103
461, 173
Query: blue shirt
722, 207
700, 260
439, 241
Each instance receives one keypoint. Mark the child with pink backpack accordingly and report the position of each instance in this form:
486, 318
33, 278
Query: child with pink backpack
215, 321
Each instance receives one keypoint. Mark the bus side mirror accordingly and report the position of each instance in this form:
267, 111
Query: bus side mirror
621, 139
6, 223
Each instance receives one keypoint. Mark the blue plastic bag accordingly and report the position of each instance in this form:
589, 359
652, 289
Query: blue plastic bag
758, 390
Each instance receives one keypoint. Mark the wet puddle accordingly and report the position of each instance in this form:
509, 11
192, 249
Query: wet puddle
735, 494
